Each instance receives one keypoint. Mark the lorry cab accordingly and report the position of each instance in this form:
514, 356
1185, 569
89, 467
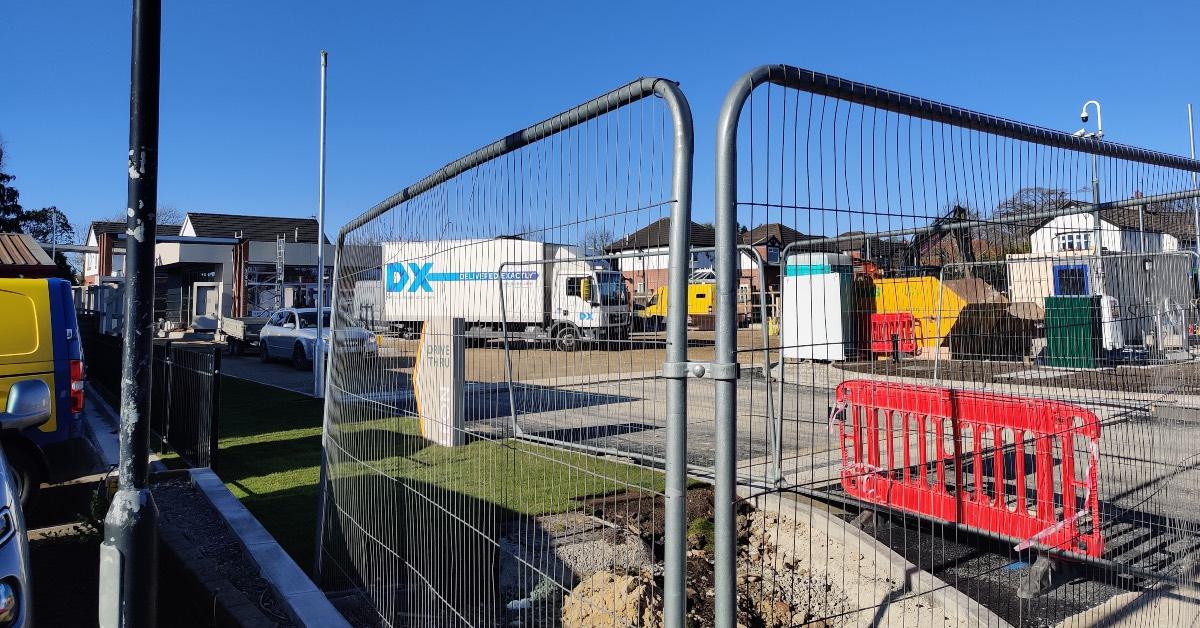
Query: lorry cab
589, 303
40, 342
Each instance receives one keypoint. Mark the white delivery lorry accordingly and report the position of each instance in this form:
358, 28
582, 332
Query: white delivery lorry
549, 293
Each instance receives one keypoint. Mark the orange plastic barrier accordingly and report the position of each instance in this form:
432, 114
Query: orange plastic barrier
1026, 469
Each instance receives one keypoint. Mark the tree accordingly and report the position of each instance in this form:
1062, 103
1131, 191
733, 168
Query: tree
170, 215
10, 205
596, 241
50, 225
166, 215
47, 224
1026, 201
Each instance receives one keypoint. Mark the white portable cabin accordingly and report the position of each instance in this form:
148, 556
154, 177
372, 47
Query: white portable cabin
818, 310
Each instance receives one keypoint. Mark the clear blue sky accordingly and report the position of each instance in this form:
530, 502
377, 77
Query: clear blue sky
413, 87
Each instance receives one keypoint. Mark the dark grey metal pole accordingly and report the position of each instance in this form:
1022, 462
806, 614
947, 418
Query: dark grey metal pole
129, 553
214, 411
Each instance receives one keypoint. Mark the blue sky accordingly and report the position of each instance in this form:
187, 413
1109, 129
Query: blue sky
413, 86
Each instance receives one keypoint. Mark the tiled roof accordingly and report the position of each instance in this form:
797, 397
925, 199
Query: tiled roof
114, 226
256, 228
658, 234
782, 234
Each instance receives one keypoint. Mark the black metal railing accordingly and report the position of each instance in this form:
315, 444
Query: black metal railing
185, 392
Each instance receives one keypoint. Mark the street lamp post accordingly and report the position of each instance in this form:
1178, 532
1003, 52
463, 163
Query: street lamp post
319, 345
129, 552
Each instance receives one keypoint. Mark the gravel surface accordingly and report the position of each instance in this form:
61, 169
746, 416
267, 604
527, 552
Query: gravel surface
184, 507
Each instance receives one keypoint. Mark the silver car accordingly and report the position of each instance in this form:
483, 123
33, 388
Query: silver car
291, 334
28, 405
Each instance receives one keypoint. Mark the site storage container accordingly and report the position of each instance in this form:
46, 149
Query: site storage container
1073, 335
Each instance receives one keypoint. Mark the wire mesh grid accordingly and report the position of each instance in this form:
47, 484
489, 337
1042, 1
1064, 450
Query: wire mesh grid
496, 454
961, 376
185, 402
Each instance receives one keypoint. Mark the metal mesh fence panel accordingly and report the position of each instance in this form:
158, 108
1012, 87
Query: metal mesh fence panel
980, 404
502, 443
185, 391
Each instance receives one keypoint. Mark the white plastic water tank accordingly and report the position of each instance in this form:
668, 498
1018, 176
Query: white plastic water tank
818, 298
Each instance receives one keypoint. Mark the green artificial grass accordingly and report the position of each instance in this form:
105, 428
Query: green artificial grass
270, 454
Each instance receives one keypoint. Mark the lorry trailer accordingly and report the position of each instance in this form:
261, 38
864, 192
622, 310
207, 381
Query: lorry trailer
504, 287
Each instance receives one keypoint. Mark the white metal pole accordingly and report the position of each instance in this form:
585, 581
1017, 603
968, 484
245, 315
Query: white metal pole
1195, 205
319, 350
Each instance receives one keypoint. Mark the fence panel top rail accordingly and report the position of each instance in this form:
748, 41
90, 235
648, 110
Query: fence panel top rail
869, 95
620, 97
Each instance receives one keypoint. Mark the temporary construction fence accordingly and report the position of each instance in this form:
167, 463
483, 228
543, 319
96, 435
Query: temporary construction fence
987, 351
468, 469
984, 371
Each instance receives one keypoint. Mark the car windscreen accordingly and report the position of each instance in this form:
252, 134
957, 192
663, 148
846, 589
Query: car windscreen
309, 319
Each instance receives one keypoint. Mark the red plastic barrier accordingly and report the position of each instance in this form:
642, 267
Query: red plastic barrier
997, 463
885, 325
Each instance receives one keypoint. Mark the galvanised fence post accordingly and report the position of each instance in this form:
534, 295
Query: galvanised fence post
675, 533
726, 269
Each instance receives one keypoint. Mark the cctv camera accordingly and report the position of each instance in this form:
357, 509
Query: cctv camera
1084, 116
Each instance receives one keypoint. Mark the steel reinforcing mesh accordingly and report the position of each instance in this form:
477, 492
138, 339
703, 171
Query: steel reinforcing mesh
954, 358
553, 471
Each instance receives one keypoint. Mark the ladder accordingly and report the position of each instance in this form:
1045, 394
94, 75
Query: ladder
280, 246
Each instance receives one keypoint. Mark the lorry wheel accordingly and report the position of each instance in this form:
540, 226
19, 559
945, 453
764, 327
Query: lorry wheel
235, 346
567, 338
299, 359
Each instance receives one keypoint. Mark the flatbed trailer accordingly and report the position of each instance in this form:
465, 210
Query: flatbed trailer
240, 332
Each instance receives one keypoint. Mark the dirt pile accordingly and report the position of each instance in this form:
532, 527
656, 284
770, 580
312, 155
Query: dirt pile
774, 588
608, 599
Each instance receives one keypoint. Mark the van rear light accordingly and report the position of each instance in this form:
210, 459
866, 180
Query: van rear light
76, 386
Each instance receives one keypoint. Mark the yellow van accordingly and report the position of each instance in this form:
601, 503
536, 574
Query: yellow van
40, 341
701, 298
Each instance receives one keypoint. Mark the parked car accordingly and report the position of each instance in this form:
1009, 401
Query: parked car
291, 334
29, 405
40, 341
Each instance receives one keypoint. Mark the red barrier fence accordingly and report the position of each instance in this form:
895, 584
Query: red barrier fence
887, 324
996, 463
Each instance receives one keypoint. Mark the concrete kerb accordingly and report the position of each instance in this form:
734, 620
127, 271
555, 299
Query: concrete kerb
955, 603
100, 424
304, 602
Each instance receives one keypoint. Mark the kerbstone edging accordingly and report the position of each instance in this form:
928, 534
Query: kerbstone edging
304, 602
950, 599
